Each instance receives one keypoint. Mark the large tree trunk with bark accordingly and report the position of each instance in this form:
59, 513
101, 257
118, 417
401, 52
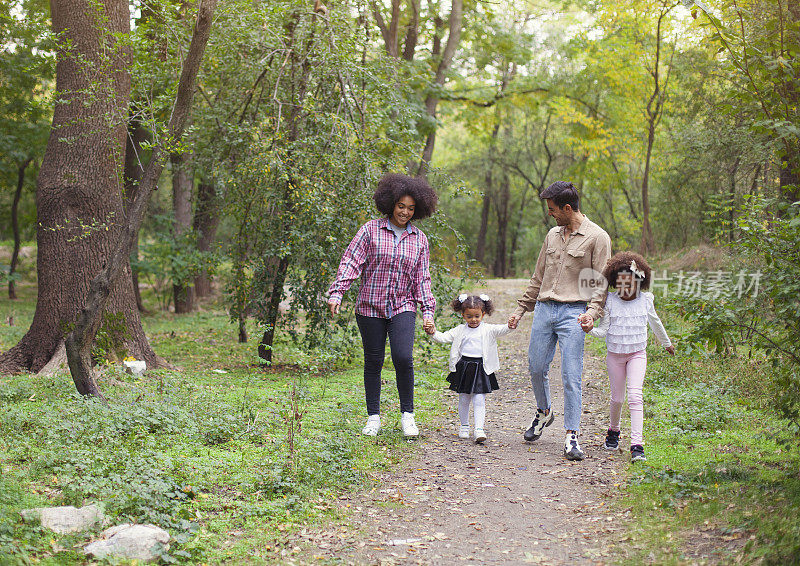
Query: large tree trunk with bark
78, 342
79, 193
206, 219
182, 185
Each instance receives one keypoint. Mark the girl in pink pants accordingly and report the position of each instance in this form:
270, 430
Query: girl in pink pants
627, 314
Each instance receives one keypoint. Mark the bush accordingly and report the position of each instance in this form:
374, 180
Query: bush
762, 319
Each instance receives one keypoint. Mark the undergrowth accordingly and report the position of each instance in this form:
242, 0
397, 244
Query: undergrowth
722, 479
226, 456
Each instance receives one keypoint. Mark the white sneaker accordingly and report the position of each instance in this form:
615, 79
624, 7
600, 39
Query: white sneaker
373, 425
463, 431
409, 425
480, 436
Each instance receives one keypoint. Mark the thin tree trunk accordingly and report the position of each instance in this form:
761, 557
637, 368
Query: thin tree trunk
501, 207
480, 246
647, 232
182, 292
79, 342
206, 219
432, 101
265, 346
12, 291
134, 167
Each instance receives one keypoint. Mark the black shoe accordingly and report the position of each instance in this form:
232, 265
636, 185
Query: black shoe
612, 440
537, 426
572, 450
637, 453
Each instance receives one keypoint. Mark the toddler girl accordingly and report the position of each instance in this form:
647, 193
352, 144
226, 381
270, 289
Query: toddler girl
473, 359
627, 314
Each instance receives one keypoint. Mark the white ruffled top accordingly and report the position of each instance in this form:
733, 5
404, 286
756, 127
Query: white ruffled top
624, 324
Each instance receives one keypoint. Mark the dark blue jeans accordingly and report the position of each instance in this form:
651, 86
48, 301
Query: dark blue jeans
400, 330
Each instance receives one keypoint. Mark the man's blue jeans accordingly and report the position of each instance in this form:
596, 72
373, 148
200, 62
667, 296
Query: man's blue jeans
558, 322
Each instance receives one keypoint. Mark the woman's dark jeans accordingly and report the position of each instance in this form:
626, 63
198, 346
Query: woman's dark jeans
400, 330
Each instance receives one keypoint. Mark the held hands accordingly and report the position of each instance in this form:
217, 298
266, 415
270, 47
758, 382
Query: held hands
334, 308
586, 321
513, 320
670, 349
429, 326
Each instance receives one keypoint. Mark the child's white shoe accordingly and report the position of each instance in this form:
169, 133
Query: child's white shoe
373, 425
409, 425
480, 436
463, 431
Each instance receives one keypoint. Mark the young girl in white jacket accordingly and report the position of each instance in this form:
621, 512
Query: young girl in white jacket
473, 359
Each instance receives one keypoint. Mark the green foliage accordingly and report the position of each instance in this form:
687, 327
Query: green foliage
27, 63
761, 318
720, 462
166, 259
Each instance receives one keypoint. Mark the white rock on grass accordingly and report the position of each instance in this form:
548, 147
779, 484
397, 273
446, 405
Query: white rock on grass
65, 519
131, 542
135, 367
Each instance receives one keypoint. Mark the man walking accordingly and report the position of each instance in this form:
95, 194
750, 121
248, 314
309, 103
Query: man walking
566, 297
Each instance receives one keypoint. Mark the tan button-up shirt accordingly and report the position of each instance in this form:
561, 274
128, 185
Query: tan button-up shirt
560, 275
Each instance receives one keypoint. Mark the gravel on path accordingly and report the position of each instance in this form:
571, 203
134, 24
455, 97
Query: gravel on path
503, 502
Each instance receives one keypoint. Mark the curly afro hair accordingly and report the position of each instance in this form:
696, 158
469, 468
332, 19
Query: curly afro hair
473, 302
621, 263
394, 186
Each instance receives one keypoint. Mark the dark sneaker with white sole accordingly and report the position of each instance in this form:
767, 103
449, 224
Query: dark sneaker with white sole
537, 426
572, 450
637, 453
612, 440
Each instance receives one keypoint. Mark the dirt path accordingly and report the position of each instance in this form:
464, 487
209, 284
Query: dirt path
506, 502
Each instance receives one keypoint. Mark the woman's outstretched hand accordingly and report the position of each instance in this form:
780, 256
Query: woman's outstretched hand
670, 349
334, 308
513, 320
429, 326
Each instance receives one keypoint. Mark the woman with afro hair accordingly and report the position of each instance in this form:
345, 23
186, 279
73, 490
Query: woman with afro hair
392, 257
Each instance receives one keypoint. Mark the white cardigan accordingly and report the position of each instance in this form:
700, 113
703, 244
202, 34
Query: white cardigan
489, 335
624, 324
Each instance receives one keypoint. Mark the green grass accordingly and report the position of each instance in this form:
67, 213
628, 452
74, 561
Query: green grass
721, 480
228, 462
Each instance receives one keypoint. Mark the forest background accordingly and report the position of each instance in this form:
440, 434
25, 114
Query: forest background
677, 121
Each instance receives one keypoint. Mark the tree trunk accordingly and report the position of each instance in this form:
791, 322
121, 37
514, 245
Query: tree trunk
78, 342
182, 184
134, 167
265, 347
12, 290
432, 101
501, 207
79, 197
480, 246
647, 232
206, 219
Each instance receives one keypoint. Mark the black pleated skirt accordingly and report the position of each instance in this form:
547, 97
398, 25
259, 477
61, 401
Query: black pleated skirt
470, 377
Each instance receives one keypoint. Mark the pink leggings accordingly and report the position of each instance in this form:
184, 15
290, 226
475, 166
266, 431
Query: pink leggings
630, 367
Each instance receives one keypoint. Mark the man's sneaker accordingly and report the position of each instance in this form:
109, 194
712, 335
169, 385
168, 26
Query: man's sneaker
537, 426
480, 436
463, 431
612, 440
572, 450
373, 425
409, 425
637, 453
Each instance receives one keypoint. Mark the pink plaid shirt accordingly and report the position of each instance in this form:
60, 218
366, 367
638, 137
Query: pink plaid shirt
394, 276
